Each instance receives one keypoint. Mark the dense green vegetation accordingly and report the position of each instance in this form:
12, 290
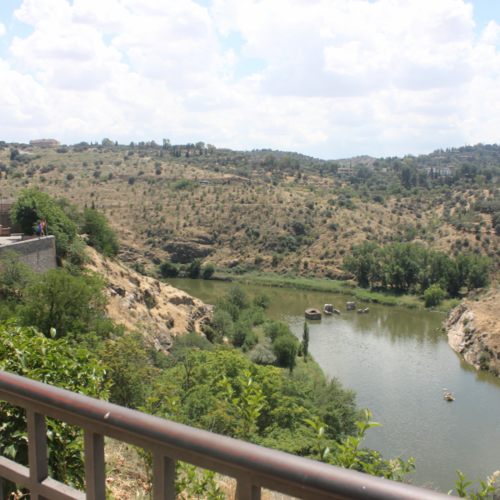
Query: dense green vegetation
413, 267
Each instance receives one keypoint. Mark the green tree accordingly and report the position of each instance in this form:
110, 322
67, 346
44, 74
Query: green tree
70, 304
168, 269
100, 235
194, 269
238, 296
129, 371
305, 340
285, 349
262, 300
208, 271
33, 206
406, 174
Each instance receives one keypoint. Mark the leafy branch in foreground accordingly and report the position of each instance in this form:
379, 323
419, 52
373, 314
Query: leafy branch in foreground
249, 404
486, 487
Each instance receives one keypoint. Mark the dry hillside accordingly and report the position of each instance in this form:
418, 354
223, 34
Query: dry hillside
141, 303
233, 219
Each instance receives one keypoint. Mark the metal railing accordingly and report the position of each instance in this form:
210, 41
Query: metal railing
254, 467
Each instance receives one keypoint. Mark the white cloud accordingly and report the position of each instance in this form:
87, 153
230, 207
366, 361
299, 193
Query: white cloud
342, 76
2, 29
491, 33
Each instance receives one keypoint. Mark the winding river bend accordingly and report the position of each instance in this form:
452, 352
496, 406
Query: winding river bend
398, 364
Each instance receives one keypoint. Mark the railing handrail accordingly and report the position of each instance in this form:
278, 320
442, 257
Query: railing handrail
253, 466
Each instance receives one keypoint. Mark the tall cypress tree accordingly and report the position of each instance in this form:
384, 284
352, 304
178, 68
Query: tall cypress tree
305, 340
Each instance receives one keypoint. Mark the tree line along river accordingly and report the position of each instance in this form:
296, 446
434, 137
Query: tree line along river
398, 364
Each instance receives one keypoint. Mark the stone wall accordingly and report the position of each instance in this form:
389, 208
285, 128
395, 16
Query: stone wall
38, 253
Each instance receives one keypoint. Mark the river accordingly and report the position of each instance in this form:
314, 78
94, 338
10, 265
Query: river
398, 364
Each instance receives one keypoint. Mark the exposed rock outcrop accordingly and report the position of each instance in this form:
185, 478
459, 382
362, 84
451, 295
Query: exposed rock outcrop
141, 303
473, 330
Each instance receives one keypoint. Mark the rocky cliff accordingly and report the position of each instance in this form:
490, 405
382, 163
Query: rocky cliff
141, 303
474, 330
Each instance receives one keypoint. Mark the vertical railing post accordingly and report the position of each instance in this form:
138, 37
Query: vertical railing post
95, 469
245, 490
37, 449
163, 477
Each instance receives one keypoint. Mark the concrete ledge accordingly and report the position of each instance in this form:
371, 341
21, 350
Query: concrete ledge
38, 253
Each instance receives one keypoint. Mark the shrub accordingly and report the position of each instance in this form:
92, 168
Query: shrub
208, 271
70, 304
194, 269
183, 184
433, 296
74, 370
240, 333
262, 354
168, 269
222, 322
70, 177
101, 236
131, 180
285, 348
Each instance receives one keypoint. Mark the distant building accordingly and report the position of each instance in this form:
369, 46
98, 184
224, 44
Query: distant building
45, 143
345, 171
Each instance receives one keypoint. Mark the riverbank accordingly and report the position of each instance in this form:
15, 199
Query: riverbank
338, 287
474, 331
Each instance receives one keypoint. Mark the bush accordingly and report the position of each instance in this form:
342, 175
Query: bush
183, 184
28, 353
70, 177
33, 206
101, 236
208, 271
131, 180
240, 333
262, 354
70, 304
222, 322
194, 269
169, 270
433, 296
285, 348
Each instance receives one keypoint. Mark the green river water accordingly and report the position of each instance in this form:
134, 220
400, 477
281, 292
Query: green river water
398, 364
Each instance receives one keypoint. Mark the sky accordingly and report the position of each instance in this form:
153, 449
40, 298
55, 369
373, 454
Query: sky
328, 78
